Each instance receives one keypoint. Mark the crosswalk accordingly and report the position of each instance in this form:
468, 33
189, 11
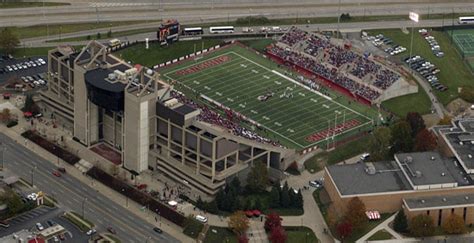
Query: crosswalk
104, 5
35, 213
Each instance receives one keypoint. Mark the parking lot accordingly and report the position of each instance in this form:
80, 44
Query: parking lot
29, 72
47, 217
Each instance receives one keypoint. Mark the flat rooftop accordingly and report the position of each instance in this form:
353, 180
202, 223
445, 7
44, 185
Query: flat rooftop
467, 125
465, 150
97, 78
429, 168
184, 109
353, 179
439, 201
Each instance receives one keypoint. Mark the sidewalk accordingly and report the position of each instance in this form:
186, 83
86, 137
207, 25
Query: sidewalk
86, 154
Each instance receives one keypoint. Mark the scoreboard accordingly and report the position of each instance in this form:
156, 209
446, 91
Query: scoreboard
168, 31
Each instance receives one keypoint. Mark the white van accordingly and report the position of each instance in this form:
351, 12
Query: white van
201, 218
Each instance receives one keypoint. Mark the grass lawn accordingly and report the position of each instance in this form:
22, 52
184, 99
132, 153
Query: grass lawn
192, 228
30, 4
103, 35
454, 73
403, 104
339, 154
381, 235
82, 227
157, 54
222, 235
57, 29
34, 51
258, 44
301, 235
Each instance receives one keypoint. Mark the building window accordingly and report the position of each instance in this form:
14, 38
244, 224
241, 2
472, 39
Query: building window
427, 212
452, 210
464, 214
439, 217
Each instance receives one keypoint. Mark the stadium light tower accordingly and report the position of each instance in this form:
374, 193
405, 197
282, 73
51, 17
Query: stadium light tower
414, 17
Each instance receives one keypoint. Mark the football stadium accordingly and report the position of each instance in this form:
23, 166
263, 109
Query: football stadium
250, 88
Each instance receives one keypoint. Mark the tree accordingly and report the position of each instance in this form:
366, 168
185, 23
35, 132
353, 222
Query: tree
274, 197
258, 204
284, 196
400, 223
109, 33
401, 137
344, 229
243, 239
5, 115
272, 220
446, 120
211, 207
8, 41
333, 216
30, 105
200, 203
355, 213
379, 144
220, 198
454, 224
416, 122
278, 235
422, 225
425, 141
238, 222
467, 94
299, 200
235, 184
98, 35
257, 179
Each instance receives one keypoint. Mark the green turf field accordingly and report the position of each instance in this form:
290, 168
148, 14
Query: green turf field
293, 115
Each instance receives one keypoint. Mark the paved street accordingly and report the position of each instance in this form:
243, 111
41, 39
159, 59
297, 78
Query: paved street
215, 12
71, 193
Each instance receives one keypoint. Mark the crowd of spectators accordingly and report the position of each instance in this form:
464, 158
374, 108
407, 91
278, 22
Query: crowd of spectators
332, 75
293, 36
337, 56
212, 117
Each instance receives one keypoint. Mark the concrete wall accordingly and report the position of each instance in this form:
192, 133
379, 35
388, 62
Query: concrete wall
399, 88
80, 105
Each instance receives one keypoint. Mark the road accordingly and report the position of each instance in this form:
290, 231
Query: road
354, 26
71, 194
205, 12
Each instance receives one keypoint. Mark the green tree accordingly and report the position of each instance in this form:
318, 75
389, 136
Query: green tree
274, 197
284, 196
299, 200
220, 198
379, 143
454, 224
235, 183
211, 207
109, 33
401, 137
355, 213
200, 203
257, 179
400, 223
8, 41
98, 35
258, 204
422, 225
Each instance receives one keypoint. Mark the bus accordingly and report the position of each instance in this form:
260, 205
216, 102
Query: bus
221, 29
192, 31
466, 20
114, 42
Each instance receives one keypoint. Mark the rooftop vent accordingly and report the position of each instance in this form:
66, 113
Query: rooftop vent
422, 200
433, 158
418, 173
472, 142
112, 76
444, 199
466, 197
370, 169
443, 174
455, 163
451, 129
460, 143
469, 156
409, 159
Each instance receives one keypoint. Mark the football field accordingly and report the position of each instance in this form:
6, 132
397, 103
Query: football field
288, 111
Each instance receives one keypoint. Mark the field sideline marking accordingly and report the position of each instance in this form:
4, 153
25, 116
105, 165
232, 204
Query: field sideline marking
302, 85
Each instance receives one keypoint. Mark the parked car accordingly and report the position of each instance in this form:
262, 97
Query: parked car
111, 230
157, 230
62, 169
39, 226
315, 184
56, 173
201, 218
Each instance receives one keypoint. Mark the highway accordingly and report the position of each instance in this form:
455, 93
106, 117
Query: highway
71, 194
353, 26
153, 11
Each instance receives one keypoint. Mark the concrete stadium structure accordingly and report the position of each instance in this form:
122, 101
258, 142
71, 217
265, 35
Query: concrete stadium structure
105, 101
